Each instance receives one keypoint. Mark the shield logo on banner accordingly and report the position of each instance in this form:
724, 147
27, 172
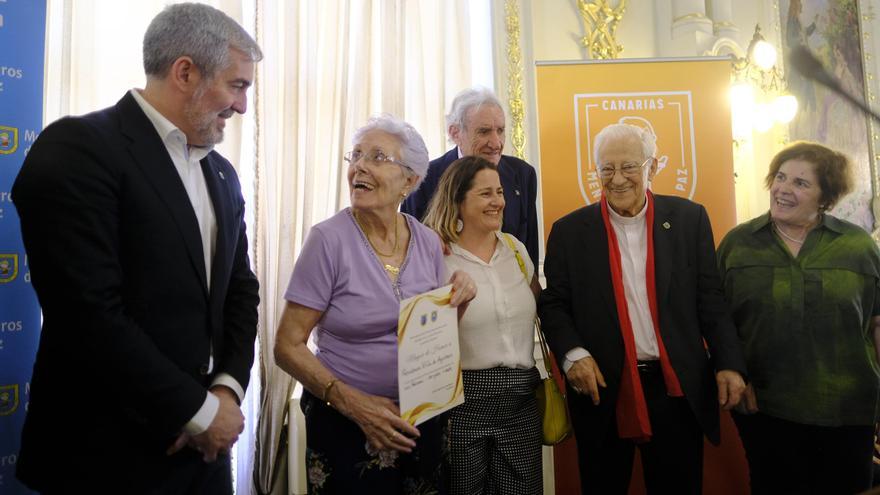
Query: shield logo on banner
8, 267
667, 115
8, 399
8, 140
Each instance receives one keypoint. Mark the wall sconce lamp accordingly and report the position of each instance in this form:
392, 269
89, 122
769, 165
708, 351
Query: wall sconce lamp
759, 97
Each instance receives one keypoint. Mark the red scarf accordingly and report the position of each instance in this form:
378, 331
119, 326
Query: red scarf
632, 410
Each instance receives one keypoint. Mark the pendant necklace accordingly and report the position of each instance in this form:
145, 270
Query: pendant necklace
394, 270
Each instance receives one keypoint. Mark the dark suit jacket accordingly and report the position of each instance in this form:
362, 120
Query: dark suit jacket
578, 308
117, 263
520, 183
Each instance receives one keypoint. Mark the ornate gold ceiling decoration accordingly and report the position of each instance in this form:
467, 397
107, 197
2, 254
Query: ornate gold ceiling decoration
600, 23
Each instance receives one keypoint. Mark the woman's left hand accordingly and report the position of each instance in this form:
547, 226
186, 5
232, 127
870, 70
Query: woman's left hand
463, 289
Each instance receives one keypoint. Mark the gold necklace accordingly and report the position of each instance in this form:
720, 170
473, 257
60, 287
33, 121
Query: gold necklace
394, 270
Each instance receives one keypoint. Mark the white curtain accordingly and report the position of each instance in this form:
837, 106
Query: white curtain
334, 64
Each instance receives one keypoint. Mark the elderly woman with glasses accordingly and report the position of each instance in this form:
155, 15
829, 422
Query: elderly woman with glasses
351, 275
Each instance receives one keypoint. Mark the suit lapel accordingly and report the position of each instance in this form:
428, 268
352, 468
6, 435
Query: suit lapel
664, 242
595, 242
217, 189
149, 153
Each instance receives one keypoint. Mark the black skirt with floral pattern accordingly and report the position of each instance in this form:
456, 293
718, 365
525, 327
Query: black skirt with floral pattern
339, 460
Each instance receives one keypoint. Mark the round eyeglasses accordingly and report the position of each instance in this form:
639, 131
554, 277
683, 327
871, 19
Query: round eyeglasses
375, 156
627, 169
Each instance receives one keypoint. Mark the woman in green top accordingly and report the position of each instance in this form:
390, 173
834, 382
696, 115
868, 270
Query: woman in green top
803, 289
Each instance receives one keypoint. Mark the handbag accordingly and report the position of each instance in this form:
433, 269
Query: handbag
555, 421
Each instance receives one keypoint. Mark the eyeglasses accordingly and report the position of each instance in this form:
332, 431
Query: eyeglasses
376, 156
628, 169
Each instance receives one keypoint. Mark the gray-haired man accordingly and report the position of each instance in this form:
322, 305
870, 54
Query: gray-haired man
134, 230
476, 125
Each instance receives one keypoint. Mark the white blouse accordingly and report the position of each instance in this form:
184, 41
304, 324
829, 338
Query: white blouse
498, 327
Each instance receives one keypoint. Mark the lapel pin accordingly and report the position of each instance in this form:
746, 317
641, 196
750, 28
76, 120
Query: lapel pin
517, 192
223, 177
666, 225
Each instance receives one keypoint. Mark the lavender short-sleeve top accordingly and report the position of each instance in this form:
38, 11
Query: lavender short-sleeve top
338, 274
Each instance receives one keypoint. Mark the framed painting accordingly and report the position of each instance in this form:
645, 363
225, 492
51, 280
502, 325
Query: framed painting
832, 30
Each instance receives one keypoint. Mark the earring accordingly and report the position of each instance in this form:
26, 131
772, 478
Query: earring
459, 225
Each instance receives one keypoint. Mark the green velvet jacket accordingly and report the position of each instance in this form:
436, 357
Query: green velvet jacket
805, 322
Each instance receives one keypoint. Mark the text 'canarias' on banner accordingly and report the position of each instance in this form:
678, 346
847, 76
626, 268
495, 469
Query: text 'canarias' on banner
684, 102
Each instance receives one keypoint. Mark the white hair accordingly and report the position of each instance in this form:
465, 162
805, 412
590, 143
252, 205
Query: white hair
198, 31
412, 146
622, 131
467, 99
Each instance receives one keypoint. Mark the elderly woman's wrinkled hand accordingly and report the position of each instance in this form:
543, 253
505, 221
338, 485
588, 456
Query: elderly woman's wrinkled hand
379, 419
463, 288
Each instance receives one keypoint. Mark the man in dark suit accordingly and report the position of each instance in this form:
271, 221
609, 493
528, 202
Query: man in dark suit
632, 294
134, 229
476, 125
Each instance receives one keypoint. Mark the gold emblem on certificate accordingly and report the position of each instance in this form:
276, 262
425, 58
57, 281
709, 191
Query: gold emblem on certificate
428, 358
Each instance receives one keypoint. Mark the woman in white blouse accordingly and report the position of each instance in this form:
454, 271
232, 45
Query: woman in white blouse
495, 435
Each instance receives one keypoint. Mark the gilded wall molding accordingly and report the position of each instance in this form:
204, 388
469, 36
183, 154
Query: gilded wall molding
515, 79
695, 16
600, 23
724, 25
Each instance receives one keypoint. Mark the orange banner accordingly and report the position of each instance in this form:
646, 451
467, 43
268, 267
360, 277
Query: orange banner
684, 101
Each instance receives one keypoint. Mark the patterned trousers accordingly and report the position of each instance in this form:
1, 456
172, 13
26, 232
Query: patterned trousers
496, 434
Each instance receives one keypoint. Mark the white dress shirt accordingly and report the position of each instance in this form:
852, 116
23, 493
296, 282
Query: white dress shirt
632, 242
498, 327
186, 161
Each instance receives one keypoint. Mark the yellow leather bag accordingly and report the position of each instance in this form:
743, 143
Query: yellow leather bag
555, 421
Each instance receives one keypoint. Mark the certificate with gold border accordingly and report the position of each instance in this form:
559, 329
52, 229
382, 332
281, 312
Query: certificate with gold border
428, 357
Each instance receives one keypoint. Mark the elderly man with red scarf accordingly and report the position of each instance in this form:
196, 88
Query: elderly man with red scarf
634, 313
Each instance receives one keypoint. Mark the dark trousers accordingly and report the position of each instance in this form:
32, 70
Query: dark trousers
184, 473
787, 457
672, 460
339, 460
198, 478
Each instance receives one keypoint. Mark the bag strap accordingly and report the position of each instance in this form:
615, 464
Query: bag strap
545, 352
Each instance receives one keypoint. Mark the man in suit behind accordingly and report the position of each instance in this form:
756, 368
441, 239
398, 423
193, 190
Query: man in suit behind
476, 125
134, 230
632, 294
